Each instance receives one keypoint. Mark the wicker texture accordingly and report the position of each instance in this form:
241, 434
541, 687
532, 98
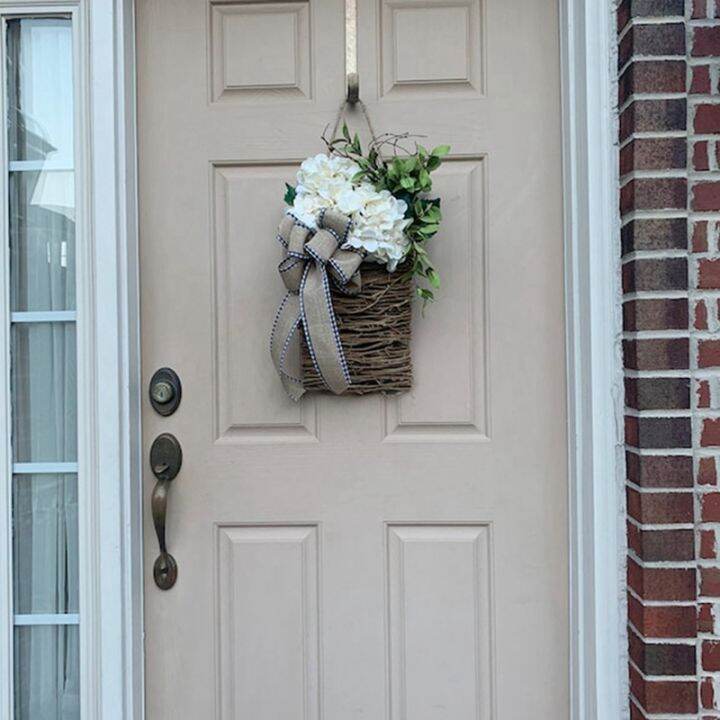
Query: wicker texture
375, 331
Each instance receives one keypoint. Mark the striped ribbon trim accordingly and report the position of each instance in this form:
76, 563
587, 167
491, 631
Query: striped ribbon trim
312, 259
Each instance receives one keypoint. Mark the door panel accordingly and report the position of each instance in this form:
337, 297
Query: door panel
267, 582
375, 557
429, 49
250, 405
439, 620
451, 336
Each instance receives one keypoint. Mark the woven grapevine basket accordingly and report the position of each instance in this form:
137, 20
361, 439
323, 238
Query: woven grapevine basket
375, 331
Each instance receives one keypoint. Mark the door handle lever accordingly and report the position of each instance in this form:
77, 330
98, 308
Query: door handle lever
165, 462
165, 568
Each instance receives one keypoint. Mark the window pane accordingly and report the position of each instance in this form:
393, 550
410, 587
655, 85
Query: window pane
47, 672
45, 553
40, 97
42, 184
42, 232
41, 211
44, 392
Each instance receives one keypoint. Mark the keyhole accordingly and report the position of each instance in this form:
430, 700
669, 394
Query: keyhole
163, 392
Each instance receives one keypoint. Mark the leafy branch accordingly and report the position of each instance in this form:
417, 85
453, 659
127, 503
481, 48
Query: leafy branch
405, 173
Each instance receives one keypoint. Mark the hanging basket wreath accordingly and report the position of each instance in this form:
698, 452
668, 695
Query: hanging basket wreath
375, 333
353, 240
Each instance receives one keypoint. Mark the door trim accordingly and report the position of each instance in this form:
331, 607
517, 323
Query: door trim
113, 667
112, 527
110, 522
109, 510
593, 300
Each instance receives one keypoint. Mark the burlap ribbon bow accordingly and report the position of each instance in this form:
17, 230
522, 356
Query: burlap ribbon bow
312, 258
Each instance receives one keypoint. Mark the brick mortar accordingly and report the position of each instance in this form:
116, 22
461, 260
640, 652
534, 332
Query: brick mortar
703, 163
670, 174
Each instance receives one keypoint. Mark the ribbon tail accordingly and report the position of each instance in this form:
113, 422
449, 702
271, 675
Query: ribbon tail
285, 347
321, 331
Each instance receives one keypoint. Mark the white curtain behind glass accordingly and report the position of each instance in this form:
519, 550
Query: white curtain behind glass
42, 231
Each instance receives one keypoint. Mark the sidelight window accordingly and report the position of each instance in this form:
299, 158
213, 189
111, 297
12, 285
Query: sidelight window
40, 231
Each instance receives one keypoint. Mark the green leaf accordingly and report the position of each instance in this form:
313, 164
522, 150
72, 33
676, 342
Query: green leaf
440, 151
424, 178
407, 182
346, 132
429, 229
433, 278
406, 197
425, 295
290, 193
433, 163
432, 214
409, 163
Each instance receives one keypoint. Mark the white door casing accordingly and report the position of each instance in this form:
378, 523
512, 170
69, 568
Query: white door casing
113, 687
109, 422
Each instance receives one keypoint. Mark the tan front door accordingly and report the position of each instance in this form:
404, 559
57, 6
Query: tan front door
341, 558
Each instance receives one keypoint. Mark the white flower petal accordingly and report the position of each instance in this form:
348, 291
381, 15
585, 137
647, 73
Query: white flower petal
379, 222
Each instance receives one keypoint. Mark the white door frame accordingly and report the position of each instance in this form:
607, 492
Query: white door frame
599, 678
111, 504
109, 507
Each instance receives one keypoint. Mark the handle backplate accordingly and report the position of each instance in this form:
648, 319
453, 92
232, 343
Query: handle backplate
165, 462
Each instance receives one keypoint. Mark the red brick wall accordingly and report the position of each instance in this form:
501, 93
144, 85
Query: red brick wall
669, 98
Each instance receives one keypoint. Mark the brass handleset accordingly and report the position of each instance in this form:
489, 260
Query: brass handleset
165, 462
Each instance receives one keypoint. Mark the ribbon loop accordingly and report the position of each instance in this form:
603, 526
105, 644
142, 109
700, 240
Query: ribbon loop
322, 246
311, 260
336, 222
343, 268
297, 238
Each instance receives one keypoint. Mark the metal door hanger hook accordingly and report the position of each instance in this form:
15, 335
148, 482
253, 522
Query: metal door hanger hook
351, 59
353, 88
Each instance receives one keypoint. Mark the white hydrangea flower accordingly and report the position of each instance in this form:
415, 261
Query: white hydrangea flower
307, 206
321, 180
326, 175
326, 182
379, 227
349, 201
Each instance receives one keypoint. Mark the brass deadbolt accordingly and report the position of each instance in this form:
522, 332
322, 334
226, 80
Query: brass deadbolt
165, 391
